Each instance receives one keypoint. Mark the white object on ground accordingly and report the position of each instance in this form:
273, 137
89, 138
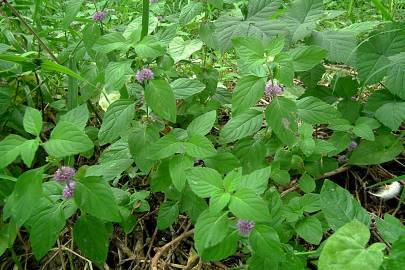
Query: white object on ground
389, 191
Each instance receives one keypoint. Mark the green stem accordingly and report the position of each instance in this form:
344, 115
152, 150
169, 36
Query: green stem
384, 11
145, 18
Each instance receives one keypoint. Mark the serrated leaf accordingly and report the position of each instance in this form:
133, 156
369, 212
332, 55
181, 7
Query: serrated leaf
10, 149
247, 92
78, 116
242, 125
265, 242
160, 97
199, 147
93, 195
245, 204
315, 111
204, 181
182, 50
149, 47
310, 229
45, 230
28, 150
116, 120
92, 238
110, 42
390, 228
391, 114
397, 259
203, 124
66, 140
184, 88
178, 166
281, 117
32, 121
210, 229
189, 12
218, 201
167, 215
345, 249
307, 57
25, 197
339, 206
72, 8
387, 146
257, 180
339, 44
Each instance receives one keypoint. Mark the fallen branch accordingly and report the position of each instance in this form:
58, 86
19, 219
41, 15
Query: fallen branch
162, 250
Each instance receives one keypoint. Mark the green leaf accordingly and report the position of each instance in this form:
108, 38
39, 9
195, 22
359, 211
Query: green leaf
391, 114
48, 65
78, 116
110, 42
257, 180
396, 75
387, 146
116, 120
339, 207
25, 197
315, 111
204, 181
116, 74
345, 249
285, 69
281, 117
302, 16
233, 180
67, 140
28, 150
210, 229
140, 142
280, 177
307, 57
159, 96
92, 238
182, 50
165, 147
10, 149
251, 53
184, 88
373, 54
8, 233
109, 169
150, 47
189, 12
177, 167
93, 195
390, 228
265, 242
219, 200
307, 183
72, 8
245, 204
242, 125
339, 44
310, 229
203, 124
397, 259
216, 3
226, 248
32, 121
199, 147
167, 215
248, 91
47, 224
364, 128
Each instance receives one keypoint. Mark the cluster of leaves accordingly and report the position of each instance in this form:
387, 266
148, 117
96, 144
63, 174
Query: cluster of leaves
174, 129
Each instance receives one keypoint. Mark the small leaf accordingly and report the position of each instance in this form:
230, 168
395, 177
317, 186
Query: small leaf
78, 116
72, 8
218, 201
167, 215
307, 57
178, 166
184, 88
265, 242
257, 180
307, 183
181, 50
247, 92
110, 42
32, 121
199, 147
28, 150
210, 229
310, 229
242, 125
10, 149
116, 74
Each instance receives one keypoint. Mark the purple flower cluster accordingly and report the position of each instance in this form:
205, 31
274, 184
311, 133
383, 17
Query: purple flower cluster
144, 74
342, 159
245, 226
352, 146
99, 16
64, 175
272, 89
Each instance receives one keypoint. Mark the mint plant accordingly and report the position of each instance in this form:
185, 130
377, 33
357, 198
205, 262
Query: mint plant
252, 133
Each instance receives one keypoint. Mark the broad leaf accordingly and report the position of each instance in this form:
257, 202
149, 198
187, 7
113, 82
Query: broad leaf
78, 116
307, 57
10, 149
315, 111
182, 50
210, 229
32, 121
167, 215
310, 229
391, 114
204, 181
203, 124
242, 125
248, 91
345, 249
184, 88
265, 242
110, 42
160, 97
116, 120
178, 166
116, 74
245, 204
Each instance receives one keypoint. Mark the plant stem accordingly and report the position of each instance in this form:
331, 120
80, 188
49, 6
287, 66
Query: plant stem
15, 12
145, 19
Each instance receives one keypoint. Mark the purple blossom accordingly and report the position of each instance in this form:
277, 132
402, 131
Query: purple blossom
352, 146
69, 189
245, 226
272, 89
64, 174
144, 74
153, 1
99, 16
